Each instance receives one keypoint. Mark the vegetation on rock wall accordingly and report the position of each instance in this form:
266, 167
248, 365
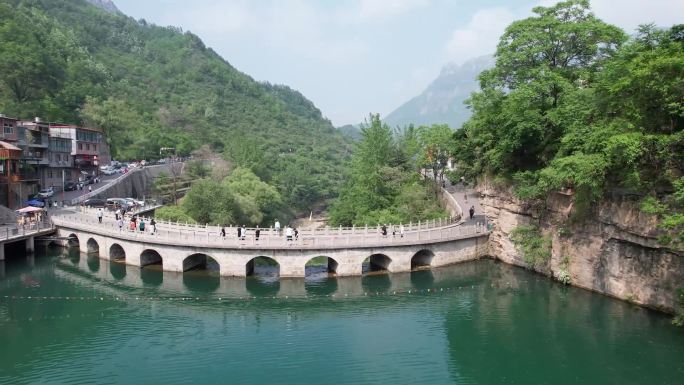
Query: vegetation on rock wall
534, 247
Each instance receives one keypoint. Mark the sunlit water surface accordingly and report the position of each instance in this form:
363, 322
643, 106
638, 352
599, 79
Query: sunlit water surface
73, 319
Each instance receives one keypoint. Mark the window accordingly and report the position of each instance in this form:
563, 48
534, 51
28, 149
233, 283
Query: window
8, 129
49, 174
80, 146
94, 147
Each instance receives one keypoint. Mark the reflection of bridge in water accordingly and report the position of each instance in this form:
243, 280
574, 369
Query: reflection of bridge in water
120, 280
343, 251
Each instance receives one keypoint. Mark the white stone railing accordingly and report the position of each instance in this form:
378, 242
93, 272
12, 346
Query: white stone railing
326, 238
25, 229
230, 229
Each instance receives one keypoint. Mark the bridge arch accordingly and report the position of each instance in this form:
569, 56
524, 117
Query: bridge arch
262, 265
200, 261
422, 259
320, 264
73, 240
150, 257
116, 252
117, 269
376, 262
93, 246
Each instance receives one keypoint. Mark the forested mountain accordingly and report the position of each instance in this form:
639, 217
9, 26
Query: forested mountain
442, 101
150, 87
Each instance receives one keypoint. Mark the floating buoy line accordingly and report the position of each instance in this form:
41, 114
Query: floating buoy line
138, 298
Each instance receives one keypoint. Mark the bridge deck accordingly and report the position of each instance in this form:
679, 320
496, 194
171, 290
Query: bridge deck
209, 236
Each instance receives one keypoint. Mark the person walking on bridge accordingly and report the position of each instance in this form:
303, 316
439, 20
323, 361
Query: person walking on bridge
154, 226
223, 231
239, 232
120, 223
243, 234
99, 215
257, 232
472, 211
384, 231
277, 227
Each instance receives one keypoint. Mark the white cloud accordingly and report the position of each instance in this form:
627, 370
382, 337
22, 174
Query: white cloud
211, 18
480, 36
629, 14
373, 10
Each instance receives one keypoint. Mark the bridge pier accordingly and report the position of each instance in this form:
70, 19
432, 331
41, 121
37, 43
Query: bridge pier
292, 268
2, 251
349, 266
30, 245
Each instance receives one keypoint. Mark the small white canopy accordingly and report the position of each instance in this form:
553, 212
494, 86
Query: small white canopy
29, 209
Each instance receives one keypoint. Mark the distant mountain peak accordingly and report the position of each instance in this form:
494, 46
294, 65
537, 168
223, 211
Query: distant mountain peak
107, 5
442, 101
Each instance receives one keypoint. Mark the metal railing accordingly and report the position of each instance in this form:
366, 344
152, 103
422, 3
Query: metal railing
269, 238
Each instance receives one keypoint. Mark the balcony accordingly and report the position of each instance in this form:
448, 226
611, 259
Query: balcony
27, 176
39, 141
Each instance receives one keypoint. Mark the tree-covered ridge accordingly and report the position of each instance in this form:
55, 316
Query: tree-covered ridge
150, 87
573, 103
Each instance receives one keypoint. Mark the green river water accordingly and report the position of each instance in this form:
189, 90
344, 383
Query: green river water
73, 319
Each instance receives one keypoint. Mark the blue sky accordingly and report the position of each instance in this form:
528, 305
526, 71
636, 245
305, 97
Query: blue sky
354, 57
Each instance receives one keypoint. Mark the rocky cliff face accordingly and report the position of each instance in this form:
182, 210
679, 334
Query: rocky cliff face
614, 250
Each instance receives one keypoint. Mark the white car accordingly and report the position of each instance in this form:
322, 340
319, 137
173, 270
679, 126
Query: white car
135, 201
46, 193
109, 171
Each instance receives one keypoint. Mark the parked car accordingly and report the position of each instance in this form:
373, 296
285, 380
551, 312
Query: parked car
109, 171
135, 202
46, 193
94, 202
70, 186
114, 203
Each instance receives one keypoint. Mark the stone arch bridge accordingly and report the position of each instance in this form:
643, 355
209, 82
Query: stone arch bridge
179, 248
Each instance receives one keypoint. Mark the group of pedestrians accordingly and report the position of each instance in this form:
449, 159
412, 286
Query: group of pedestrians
133, 224
291, 233
400, 230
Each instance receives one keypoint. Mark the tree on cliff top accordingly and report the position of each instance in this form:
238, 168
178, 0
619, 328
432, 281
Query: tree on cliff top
539, 60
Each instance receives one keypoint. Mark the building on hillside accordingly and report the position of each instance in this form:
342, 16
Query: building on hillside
89, 150
10, 184
35, 155
21, 175
61, 166
34, 142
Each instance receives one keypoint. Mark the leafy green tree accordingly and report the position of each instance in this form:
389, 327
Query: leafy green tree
258, 201
383, 182
539, 62
436, 143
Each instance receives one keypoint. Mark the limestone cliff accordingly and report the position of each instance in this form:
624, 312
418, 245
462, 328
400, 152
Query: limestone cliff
614, 250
